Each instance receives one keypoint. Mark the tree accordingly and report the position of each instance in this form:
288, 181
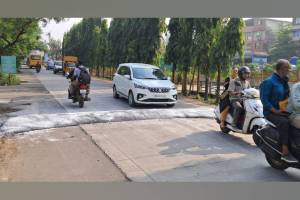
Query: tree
284, 46
229, 42
204, 37
172, 49
186, 43
54, 48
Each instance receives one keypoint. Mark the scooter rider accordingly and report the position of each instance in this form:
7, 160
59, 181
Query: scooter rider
273, 91
235, 88
74, 75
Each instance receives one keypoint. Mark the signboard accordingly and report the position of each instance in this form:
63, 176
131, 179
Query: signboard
8, 64
259, 60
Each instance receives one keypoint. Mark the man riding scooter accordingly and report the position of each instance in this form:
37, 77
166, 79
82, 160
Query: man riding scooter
75, 76
275, 90
235, 89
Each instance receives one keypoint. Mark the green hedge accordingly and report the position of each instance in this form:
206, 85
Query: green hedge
9, 79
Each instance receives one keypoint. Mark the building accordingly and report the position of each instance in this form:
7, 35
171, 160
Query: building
296, 28
260, 34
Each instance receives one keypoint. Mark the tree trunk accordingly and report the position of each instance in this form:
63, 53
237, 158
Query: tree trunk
98, 71
184, 82
206, 84
198, 80
192, 81
218, 84
103, 71
173, 72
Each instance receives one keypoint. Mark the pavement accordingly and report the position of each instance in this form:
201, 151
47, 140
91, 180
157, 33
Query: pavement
55, 155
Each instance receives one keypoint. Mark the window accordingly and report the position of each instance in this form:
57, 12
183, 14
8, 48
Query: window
122, 71
148, 73
297, 20
248, 36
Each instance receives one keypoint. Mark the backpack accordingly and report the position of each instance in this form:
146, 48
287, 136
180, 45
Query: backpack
84, 77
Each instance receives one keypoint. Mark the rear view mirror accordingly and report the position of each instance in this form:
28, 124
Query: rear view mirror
127, 76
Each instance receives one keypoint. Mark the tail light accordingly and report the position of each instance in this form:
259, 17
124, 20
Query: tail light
82, 86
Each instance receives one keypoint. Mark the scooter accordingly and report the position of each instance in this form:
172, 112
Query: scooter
267, 139
251, 119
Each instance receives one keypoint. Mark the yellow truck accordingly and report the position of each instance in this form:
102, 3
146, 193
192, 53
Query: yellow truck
69, 63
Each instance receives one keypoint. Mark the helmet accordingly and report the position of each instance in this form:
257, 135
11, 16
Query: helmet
243, 70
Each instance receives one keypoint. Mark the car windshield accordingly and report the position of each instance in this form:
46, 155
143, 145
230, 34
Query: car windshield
58, 63
35, 57
71, 64
148, 73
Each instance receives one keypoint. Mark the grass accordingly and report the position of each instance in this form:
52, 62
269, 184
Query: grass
9, 79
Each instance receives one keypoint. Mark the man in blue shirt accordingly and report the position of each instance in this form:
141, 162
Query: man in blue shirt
272, 91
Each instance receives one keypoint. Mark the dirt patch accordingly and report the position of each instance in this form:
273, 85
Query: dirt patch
4, 108
8, 151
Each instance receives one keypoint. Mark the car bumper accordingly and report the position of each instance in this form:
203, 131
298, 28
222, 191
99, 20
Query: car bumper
146, 97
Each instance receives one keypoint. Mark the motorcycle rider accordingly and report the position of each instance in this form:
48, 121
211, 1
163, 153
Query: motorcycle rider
74, 75
38, 66
235, 89
224, 98
273, 91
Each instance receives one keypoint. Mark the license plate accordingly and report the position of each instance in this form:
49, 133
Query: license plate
82, 91
160, 95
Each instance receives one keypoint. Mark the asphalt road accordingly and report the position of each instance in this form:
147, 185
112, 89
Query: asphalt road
101, 95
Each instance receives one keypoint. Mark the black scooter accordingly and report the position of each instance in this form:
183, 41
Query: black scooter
267, 139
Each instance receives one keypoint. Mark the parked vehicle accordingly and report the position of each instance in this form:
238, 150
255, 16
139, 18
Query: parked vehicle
57, 66
143, 84
251, 119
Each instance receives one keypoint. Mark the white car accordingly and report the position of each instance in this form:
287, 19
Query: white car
57, 66
143, 84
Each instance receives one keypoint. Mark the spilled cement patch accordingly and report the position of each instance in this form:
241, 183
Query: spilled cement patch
45, 121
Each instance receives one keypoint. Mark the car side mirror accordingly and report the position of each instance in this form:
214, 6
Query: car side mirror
127, 76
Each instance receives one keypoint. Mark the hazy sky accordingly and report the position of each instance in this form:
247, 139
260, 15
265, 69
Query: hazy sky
57, 30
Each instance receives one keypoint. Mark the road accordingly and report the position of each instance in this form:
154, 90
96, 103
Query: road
172, 150
101, 95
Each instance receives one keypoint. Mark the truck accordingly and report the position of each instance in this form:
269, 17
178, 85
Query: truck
69, 63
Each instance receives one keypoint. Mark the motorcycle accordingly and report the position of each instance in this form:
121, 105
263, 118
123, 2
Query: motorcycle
80, 94
267, 139
251, 119
38, 69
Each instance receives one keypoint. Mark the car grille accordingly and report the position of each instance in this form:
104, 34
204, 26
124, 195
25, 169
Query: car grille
159, 90
158, 100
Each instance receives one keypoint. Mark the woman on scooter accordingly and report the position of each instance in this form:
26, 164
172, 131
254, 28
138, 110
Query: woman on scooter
273, 91
224, 98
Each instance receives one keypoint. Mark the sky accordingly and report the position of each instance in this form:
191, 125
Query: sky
57, 30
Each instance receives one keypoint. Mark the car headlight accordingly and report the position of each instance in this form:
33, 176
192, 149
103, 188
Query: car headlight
140, 86
173, 87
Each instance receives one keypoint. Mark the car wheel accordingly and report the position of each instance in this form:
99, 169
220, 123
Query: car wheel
54, 71
131, 100
115, 92
276, 164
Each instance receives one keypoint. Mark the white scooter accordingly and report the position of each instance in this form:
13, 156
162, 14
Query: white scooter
252, 117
